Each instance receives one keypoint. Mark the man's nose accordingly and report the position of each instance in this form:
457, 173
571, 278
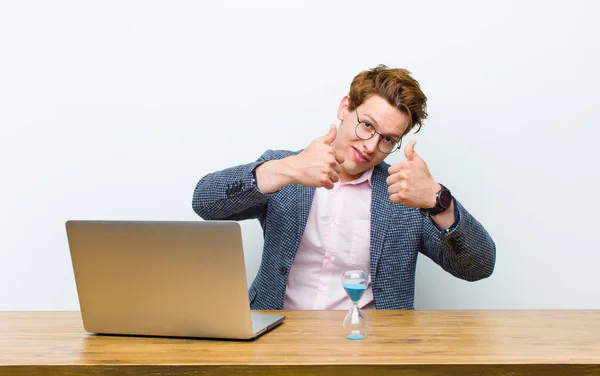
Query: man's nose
371, 143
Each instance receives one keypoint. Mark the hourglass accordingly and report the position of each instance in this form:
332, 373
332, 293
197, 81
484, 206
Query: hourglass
355, 324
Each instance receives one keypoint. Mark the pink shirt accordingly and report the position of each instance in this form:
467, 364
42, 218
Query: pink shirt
337, 238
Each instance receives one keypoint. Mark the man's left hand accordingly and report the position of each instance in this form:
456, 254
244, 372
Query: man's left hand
410, 182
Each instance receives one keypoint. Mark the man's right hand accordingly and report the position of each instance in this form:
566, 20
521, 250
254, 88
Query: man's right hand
316, 166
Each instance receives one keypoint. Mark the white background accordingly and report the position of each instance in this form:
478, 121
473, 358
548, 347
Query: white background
115, 109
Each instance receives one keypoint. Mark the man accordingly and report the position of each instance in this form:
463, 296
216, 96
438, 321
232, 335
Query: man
335, 205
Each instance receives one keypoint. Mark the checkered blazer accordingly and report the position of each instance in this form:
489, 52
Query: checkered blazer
398, 234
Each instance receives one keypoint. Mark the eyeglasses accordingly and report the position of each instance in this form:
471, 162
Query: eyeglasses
366, 131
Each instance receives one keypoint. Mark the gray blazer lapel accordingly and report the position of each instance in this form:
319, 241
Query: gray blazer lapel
305, 197
380, 213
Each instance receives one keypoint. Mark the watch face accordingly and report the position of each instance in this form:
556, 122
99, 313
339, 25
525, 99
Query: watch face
445, 198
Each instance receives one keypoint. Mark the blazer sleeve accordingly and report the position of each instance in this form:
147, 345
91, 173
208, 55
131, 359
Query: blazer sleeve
466, 250
232, 194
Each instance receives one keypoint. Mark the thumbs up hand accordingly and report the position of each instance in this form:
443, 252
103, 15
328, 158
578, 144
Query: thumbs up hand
410, 182
318, 165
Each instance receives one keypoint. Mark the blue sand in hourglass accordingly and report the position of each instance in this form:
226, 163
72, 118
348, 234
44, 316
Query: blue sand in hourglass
355, 336
354, 290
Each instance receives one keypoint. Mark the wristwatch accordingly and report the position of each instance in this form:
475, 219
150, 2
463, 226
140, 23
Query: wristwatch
443, 199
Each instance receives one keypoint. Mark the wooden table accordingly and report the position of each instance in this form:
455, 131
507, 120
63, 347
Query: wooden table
498, 342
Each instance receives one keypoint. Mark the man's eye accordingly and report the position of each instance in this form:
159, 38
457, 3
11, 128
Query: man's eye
389, 140
368, 125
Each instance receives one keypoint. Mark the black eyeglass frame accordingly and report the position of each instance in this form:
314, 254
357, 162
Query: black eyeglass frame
398, 143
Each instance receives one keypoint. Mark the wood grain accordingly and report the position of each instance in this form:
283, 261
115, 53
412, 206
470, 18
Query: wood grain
496, 342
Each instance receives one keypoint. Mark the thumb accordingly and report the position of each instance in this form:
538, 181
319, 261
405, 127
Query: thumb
409, 151
329, 137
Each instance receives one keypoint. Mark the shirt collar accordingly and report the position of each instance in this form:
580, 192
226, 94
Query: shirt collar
366, 176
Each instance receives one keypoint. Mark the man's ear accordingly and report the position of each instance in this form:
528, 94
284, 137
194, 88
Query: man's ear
343, 109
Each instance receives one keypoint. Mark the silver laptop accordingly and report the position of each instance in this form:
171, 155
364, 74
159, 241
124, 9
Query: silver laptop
179, 279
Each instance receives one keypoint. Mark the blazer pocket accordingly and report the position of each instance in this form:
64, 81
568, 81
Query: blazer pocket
360, 247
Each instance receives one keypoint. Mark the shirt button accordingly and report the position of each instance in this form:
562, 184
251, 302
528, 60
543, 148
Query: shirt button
323, 288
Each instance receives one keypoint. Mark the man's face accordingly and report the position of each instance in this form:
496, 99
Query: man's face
360, 155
